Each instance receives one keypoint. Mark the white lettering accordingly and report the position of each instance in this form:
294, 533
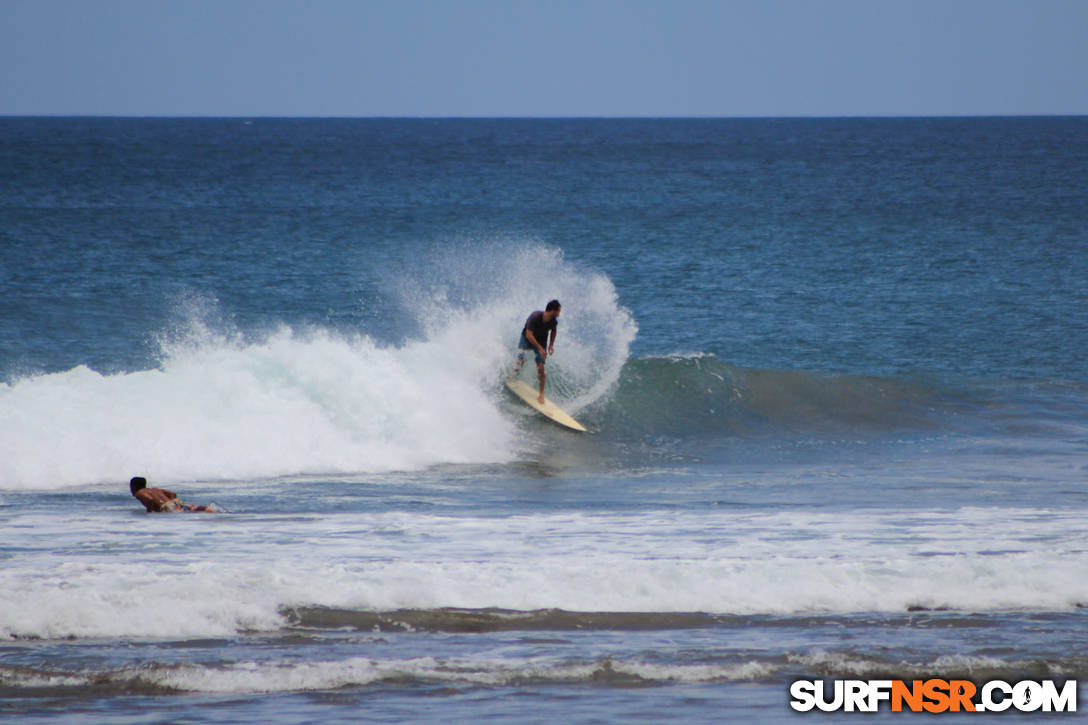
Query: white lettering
1064, 701
1027, 696
879, 690
836, 702
856, 696
988, 702
803, 693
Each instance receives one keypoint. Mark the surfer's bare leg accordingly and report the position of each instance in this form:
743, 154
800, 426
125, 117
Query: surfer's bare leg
541, 376
518, 362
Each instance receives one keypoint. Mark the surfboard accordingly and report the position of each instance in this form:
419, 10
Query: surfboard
550, 410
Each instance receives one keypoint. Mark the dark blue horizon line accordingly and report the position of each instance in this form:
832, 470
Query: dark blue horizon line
889, 117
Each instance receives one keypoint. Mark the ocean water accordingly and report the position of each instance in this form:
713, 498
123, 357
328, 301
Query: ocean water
833, 373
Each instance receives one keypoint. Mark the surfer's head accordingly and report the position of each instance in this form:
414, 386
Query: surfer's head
136, 484
554, 308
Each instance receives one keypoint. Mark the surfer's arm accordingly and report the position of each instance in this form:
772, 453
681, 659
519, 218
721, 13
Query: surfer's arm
551, 345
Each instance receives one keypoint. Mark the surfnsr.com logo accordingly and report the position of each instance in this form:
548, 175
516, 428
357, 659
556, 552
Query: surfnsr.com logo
933, 695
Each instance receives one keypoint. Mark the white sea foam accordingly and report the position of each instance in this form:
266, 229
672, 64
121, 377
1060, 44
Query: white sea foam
228, 406
849, 664
197, 576
295, 676
295, 402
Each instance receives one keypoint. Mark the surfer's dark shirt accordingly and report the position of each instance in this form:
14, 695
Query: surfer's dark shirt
540, 328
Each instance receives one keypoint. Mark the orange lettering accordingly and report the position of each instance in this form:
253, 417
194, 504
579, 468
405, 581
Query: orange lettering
912, 695
937, 692
961, 692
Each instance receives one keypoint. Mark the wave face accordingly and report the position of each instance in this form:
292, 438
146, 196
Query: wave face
229, 405
701, 394
312, 401
698, 408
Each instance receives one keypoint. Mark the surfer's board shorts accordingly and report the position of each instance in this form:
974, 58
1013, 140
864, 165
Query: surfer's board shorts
524, 345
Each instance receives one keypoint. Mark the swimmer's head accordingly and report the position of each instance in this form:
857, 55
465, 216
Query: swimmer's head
136, 484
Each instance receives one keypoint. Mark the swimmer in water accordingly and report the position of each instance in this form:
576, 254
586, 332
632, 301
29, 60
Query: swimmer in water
160, 500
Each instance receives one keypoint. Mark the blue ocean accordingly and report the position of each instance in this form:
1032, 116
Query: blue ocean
833, 373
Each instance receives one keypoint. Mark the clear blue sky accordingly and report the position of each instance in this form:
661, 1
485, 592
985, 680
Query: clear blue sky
543, 57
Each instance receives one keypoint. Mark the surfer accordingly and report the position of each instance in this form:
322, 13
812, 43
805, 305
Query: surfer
534, 336
159, 500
